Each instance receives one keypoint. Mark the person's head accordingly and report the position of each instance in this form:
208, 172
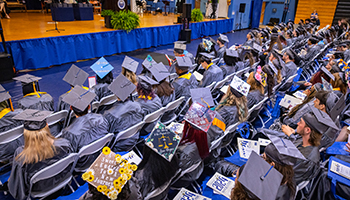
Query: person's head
79, 113
38, 145
157, 169
178, 52
220, 42
314, 137
106, 79
330, 65
320, 101
315, 11
254, 84
230, 99
287, 56
145, 89
301, 22
307, 21
205, 61
30, 88
250, 35
180, 70
229, 60
339, 82
164, 88
129, 75
312, 41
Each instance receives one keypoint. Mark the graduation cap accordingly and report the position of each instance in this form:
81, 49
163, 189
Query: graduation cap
75, 76
202, 96
4, 95
328, 73
200, 115
180, 45
313, 40
27, 78
257, 47
337, 108
207, 56
79, 98
148, 63
232, 53
163, 141
130, 64
33, 119
223, 38
239, 87
160, 72
183, 62
260, 178
109, 173
326, 86
122, 87
260, 76
318, 120
146, 82
101, 68
282, 151
212, 40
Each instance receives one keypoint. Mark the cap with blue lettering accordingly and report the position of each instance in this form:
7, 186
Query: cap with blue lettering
102, 67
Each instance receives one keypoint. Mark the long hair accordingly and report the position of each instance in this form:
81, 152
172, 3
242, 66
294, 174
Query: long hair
129, 75
145, 91
279, 76
315, 138
288, 175
38, 146
338, 83
250, 57
164, 89
275, 40
239, 192
307, 100
157, 169
270, 80
255, 85
229, 99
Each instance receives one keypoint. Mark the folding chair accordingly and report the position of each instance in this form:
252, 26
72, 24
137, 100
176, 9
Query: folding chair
171, 107
230, 77
186, 105
70, 118
217, 87
91, 149
152, 117
54, 118
242, 71
172, 77
108, 100
50, 172
94, 106
217, 143
255, 110
336, 168
211, 86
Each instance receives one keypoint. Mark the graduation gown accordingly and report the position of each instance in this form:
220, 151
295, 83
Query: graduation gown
21, 174
148, 107
228, 70
183, 84
347, 55
61, 104
101, 90
284, 193
165, 101
211, 74
121, 116
248, 43
292, 122
220, 52
253, 98
45, 102
307, 169
7, 123
311, 53
289, 70
229, 114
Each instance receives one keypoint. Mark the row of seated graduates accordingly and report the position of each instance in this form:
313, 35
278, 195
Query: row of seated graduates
226, 112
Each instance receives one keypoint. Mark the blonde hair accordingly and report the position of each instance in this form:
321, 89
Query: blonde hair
338, 83
129, 75
254, 85
38, 146
279, 76
229, 99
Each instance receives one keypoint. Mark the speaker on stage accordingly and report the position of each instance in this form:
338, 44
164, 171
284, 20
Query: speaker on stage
242, 7
186, 10
6, 67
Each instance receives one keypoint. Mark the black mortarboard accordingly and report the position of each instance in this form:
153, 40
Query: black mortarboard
33, 119
4, 95
202, 94
260, 178
183, 62
79, 98
75, 76
337, 108
159, 72
122, 87
130, 64
328, 73
282, 151
318, 120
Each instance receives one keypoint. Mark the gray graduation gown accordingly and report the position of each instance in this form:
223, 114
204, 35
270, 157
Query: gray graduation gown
7, 123
101, 90
253, 98
289, 70
227, 70
307, 169
61, 104
311, 53
229, 114
220, 52
182, 86
284, 193
21, 174
165, 101
347, 55
148, 107
213, 73
121, 116
45, 102
248, 43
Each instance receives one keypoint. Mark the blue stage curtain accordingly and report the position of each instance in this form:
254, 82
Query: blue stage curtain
45, 52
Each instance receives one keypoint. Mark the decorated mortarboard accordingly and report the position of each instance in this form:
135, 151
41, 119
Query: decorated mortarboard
202, 95
130, 64
239, 87
337, 108
260, 76
207, 55
75, 76
328, 73
207, 44
109, 173
326, 86
272, 67
260, 178
257, 47
27, 78
318, 120
159, 72
149, 62
232, 53
283, 151
223, 38
163, 141
101, 68
122, 87
4, 95
180, 45
184, 62
79, 98
33, 119
200, 116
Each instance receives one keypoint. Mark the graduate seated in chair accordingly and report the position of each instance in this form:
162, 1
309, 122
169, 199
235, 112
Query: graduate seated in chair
206, 46
257, 82
221, 41
212, 72
87, 127
129, 68
231, 64
124, 113
180, 51
104, 78
290, 68
74, 76
32, 97
40, 150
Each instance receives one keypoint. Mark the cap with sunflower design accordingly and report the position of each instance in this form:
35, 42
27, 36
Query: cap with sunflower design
109, 173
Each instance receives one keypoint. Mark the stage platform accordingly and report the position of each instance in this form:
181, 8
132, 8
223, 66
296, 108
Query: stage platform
32, 47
